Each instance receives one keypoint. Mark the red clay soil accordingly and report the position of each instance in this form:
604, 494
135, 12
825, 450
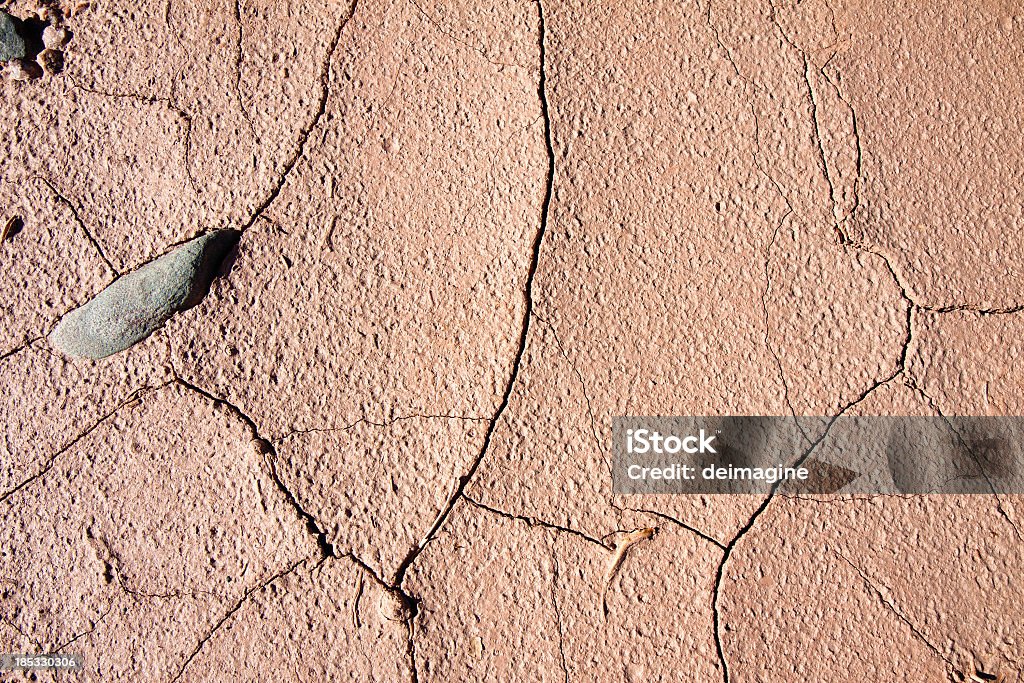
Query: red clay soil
471, 234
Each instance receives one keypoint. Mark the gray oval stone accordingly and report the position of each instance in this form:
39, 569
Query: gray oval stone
12, 45
136, 304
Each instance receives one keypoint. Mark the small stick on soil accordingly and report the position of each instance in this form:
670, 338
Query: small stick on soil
355, 607
622, 546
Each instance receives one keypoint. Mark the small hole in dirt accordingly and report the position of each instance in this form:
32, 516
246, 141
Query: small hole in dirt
413, 605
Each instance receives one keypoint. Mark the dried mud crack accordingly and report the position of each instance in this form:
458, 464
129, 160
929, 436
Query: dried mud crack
228, 615
307, 129
527, 313
270, 459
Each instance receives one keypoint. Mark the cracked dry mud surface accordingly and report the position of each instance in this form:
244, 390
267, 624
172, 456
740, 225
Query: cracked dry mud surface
471, 233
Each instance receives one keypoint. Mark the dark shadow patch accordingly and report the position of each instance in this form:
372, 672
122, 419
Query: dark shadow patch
213, 263
31, 31
227, 264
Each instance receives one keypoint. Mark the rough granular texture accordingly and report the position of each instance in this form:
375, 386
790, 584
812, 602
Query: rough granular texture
471, 233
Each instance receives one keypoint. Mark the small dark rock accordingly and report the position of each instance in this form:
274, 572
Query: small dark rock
12, 45
52, 61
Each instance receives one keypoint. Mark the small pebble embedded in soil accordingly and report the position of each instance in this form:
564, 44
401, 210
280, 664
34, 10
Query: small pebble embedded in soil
23, 70
52, 61
55, 37
395, 607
